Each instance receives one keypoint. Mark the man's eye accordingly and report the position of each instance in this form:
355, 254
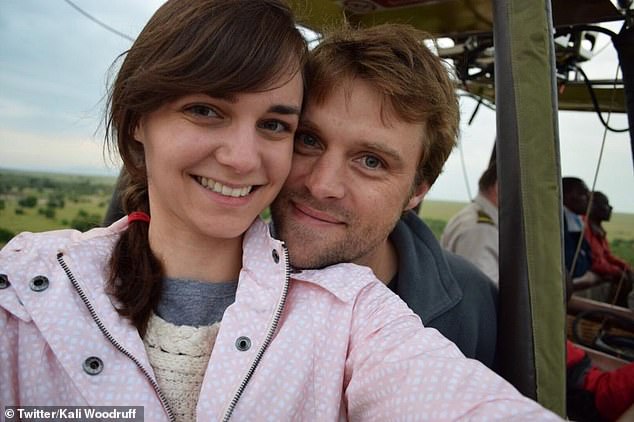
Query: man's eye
306, 140
202, 110
372, 162
274, 126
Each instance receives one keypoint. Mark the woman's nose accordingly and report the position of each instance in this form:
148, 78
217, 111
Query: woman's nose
240, 151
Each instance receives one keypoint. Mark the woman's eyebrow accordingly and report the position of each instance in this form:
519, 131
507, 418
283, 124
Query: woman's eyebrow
284, 109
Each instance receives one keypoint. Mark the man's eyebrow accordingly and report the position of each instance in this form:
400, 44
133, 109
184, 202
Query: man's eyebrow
383, 149
284, 109
306, 123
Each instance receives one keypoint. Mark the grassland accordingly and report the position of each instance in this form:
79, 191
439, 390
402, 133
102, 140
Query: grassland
620, 228
31, 201
62, 201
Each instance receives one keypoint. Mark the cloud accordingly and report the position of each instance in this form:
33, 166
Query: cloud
54, 65
581, 136
27, 150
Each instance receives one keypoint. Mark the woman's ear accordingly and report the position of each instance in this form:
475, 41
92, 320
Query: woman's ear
139, 132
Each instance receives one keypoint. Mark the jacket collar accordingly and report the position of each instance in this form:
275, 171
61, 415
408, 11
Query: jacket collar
343, 280
488, 207
425, 281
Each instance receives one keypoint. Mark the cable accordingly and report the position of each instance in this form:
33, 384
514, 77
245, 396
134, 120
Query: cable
595, 103
464, 171
580, 28
475, 111
98, 22
594, 181
478, 99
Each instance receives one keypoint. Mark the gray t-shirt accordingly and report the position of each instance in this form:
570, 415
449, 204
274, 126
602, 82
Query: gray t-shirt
195, 303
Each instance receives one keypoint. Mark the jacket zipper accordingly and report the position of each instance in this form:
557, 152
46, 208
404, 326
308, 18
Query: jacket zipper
269, 337
111, 339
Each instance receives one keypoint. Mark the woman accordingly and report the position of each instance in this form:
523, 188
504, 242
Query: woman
192, 313
203, 113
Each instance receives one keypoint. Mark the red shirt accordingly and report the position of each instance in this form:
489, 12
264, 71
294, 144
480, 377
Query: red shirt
613, 391
603, 262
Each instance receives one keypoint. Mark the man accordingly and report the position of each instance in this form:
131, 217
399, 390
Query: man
575, 195
473, 232
604, 263
577, 253
380, 119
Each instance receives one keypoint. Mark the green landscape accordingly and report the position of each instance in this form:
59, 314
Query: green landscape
620, 228
35, 202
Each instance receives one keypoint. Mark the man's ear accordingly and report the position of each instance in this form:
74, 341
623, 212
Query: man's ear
417, 196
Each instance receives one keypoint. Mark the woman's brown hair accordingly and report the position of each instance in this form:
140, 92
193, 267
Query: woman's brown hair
216, 47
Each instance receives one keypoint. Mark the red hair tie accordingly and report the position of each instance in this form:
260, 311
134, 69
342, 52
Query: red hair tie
138, 216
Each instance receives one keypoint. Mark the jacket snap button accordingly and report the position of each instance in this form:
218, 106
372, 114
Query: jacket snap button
4, 281
243, 343
93, 365
39, 283
276, 256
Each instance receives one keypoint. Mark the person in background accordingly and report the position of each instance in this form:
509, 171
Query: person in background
604, 263
594, 395
578, 257
380, 122
473, 232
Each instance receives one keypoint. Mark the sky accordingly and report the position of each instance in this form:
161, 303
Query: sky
55, 65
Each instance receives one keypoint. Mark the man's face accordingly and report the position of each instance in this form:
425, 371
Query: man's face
577, 199
351, 179
601, 208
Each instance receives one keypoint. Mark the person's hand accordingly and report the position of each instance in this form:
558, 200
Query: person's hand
588, 279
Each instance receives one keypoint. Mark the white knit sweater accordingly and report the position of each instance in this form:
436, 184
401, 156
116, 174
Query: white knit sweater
179, 357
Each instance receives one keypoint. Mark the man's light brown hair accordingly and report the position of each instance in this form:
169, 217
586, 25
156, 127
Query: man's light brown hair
413, 81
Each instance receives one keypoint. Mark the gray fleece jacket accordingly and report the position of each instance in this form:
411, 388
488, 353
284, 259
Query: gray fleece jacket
447, 292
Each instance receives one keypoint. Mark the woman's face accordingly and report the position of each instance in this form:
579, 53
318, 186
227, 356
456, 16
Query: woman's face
214, 164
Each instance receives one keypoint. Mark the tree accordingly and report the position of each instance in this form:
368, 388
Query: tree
84, 221
56, 200
5, 235
47, 212
28, 202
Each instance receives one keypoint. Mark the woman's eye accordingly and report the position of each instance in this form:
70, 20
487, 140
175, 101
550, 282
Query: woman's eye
372, 162
202, 110
275, 126
306, 140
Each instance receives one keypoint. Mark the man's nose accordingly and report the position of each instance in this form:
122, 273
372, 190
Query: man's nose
326, 179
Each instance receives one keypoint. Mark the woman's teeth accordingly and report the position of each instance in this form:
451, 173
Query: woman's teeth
218, 187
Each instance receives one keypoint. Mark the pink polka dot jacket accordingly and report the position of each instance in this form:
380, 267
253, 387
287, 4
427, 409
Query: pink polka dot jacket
320, 345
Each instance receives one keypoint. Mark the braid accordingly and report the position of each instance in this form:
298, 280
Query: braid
135, 273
